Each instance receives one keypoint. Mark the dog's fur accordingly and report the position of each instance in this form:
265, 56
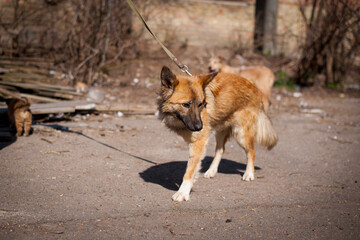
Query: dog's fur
228, 104
261, 76
19, 115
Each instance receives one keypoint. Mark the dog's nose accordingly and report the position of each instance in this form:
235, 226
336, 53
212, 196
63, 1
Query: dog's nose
210, 69
198, 126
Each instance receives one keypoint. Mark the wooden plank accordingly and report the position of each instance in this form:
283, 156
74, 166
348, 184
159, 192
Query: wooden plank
60, 87
8, 94
39, 83
37, 87
125, 110
10, 88
32, 70
59, 107
37, 111
55, 94
39, 98
24, 77
62, 104
89, 106
4, 70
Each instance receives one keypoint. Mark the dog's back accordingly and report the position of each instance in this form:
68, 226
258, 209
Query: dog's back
228, 93
261, 76
232, 98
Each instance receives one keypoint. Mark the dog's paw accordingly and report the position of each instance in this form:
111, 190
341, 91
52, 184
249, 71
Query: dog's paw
248, 176
183, 194
180, 196
210, 173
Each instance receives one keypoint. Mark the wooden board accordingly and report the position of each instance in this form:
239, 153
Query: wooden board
59, 107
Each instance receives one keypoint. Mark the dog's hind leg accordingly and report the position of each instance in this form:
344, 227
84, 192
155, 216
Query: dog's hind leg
221, 138
27, 123
19, 126
247, 143
249, 174
245, 137
197, 151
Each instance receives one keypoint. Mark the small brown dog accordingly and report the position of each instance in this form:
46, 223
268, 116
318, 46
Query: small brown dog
261, 76
19, 115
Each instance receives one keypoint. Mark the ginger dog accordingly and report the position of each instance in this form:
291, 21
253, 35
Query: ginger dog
228, 104
261, 76
19, 115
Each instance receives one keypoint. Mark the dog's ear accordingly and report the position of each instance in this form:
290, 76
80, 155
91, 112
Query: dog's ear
168, 79
206, 79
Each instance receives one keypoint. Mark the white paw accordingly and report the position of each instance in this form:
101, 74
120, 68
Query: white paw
181, 196
248, 176
210, 173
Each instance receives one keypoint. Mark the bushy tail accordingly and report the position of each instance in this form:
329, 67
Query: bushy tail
26, 102
266, 135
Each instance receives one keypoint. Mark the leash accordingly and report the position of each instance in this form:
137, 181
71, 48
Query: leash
182, 66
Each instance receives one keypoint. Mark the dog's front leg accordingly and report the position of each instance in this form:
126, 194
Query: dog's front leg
197, 151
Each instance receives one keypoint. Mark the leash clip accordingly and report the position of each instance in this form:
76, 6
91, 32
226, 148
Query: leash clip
182, 66
185, 69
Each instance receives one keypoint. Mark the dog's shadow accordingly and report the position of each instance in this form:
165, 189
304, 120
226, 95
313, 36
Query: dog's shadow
169, 175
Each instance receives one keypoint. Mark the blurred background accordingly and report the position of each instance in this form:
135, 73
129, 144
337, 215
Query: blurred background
102, 43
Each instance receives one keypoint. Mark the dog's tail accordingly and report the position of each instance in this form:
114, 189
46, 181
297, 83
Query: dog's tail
26, 101
266, 135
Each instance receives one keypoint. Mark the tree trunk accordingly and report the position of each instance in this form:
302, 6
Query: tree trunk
265, 26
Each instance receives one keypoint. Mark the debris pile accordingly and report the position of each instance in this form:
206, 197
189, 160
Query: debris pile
48, 93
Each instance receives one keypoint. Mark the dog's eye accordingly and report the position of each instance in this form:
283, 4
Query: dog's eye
202, 104
186, 105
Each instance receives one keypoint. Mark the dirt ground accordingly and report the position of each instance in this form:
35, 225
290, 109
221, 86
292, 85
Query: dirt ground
109, 176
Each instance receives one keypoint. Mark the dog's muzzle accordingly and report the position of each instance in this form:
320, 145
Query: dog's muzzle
198, 127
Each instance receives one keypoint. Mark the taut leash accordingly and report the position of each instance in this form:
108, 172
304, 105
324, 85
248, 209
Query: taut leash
182, 66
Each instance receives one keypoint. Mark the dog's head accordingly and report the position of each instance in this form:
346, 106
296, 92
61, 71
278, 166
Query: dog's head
216, 63
183, 97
